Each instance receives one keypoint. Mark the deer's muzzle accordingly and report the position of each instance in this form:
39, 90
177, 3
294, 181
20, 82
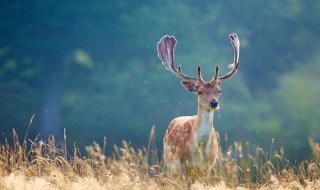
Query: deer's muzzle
214, 103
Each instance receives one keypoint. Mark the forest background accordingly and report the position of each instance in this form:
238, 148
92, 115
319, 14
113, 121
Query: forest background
91, 67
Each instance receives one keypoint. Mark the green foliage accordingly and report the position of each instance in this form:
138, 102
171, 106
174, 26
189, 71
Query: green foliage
298, 103
101, 57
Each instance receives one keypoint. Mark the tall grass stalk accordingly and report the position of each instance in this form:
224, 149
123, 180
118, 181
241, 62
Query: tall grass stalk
48, 164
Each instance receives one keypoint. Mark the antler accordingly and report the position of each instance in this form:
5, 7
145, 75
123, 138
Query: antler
234, 66
165, 49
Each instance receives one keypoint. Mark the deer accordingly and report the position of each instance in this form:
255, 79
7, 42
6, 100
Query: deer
192, 140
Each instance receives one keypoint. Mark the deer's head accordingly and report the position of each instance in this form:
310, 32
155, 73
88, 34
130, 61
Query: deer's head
208, 92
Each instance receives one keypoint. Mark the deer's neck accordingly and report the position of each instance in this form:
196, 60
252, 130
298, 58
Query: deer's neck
204, 119
204, 125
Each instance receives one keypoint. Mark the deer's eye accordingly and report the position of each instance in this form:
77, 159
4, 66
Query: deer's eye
199, 93
219, 91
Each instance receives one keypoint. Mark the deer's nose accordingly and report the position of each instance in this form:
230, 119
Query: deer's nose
214, 103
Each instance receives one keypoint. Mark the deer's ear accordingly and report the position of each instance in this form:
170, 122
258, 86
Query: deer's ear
190, 86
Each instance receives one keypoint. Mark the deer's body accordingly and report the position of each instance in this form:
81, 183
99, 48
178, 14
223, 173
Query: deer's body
187, 135
191, 140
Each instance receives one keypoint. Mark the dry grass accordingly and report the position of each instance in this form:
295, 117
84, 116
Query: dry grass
42, 164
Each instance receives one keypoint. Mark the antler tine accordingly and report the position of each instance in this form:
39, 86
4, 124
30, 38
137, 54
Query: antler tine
199, 74
184, 77
216, 74
165, 49
234, 66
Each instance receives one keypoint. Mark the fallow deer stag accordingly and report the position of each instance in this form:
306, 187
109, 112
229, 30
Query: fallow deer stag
192, 140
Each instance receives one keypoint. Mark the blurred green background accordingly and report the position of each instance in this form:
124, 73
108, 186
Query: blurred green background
91, 67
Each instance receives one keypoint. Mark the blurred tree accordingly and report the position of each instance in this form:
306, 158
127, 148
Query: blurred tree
92, 68
297, 102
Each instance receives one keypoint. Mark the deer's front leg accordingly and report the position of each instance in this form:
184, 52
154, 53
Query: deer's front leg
212, 149
183, 170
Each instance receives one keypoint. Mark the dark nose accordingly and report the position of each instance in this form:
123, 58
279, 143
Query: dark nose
214, 103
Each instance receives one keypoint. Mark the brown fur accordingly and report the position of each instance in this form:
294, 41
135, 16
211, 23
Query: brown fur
179, 134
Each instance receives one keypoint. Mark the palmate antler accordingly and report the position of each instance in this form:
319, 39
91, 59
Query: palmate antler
166, 47
235, 65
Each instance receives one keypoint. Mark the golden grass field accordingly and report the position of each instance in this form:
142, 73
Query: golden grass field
38, 164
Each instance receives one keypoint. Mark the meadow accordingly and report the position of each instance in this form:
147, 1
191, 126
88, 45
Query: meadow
92, 68
46, 164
